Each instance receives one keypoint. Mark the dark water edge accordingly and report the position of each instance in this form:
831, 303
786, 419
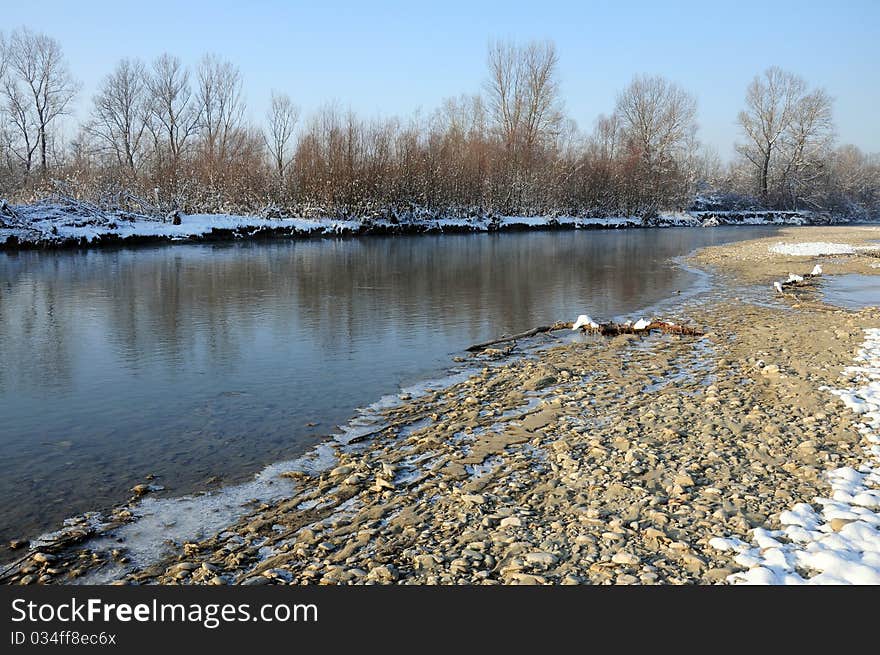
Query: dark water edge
213, 360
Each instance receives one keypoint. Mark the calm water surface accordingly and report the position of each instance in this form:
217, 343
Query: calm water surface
852, 291
194, 361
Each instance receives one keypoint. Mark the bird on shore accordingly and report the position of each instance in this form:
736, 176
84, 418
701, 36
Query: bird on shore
795, 278
778, 287
641, 324
817, 270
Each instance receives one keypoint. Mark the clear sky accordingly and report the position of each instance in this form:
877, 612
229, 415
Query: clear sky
385, 58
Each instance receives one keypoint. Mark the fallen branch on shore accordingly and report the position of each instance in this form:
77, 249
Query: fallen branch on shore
10, 218
560, 325
586, 324
642, 327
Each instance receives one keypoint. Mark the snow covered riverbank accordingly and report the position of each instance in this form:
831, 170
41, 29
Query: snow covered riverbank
55, 225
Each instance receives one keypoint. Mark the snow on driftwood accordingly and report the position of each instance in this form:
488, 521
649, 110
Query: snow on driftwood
584, 321
587, 324
795, 280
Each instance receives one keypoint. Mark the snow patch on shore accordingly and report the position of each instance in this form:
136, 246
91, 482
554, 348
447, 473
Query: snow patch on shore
812, 249
839, 543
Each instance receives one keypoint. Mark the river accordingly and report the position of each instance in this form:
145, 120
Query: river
200, 364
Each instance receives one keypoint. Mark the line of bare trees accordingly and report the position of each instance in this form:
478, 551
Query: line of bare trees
161, 135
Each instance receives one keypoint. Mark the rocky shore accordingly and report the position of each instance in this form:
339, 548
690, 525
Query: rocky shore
596, 460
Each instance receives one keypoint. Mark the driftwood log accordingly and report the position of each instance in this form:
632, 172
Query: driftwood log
477, 347
805, 281
609, 329
800, 283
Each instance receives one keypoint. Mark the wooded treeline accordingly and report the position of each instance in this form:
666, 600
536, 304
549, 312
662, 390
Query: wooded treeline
163, 135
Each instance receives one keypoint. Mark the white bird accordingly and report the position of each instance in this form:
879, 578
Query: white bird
778, 287
817, 270
795, 278
640, 324
584, 321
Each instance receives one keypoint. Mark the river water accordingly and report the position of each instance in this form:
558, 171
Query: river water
199, 364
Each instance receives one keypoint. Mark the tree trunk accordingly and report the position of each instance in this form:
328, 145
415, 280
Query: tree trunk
765, 169
43, 151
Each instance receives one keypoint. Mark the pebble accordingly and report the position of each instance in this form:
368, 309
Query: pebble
541, 558
385, 573
718, 574
625, 558
626, 579
683, 480
838, 524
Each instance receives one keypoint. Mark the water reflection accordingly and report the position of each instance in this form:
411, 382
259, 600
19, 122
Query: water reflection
201, 360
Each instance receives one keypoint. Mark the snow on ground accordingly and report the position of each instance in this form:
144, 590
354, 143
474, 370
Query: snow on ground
812, 249
839, 543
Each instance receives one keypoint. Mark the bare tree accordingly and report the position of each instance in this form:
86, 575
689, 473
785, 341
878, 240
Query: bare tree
658, 117
173, 117
771, 107
119, 115
607, 136
3, 56
281, 118
23, 132
658, 125
221, 106
6, 137
38, 89
708, 165
524, 93
807, 145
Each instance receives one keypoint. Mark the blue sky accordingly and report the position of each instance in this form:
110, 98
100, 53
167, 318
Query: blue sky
384, 58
